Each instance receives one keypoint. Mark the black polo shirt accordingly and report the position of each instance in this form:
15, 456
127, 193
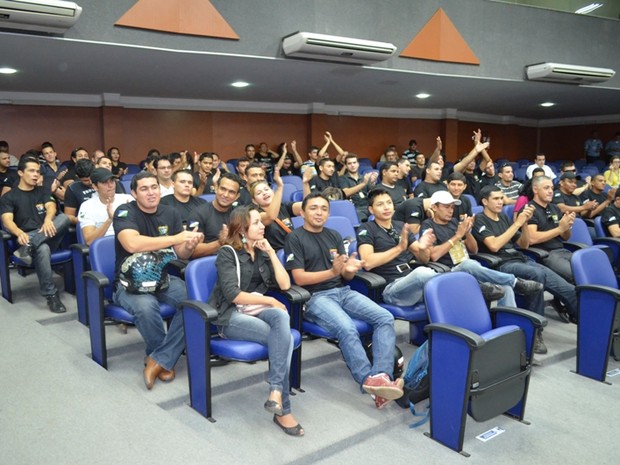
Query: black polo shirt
609, 217
411, 211
426, 189
185, 209
347, 181
570, 200
485, 227
443, 233
547, 219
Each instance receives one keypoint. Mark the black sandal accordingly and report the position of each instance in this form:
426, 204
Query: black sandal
296, 430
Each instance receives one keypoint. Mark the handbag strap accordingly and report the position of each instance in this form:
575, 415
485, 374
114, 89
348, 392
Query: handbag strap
237, 262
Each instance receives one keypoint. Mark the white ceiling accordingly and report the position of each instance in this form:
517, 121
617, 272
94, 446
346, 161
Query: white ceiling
56, 70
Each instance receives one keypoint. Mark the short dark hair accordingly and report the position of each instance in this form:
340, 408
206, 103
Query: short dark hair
456, 176
349, 156
162, 158
487, 190
176, 173
249, 145
173, 156
75, 151
322, 161
230, 176
46, 144
140, 176
254, 165
566, 164
24, 160
204, 155
83, 168
374, 193
413, 141
387, 165
313, 195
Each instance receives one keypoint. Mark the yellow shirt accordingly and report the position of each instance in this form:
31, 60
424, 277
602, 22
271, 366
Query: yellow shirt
611, 178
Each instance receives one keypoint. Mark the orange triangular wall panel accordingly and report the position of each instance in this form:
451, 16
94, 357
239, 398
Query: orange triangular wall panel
190, 17
439, 40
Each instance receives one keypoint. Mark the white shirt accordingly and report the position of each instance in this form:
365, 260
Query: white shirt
548, 171
94, 213
163, 191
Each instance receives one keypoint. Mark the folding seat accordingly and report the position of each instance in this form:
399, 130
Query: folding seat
288, 190
201, 337
295, 180
472, 199
344, 208
208, 197
598, 330
479, 359
133, 168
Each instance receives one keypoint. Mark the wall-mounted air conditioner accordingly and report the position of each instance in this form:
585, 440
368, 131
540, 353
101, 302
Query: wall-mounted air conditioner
568, 74
50, 16
334, 48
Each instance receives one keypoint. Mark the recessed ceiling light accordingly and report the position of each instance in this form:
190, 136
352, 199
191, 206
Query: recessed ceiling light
547, 104
588, 8
422, 95
8, 70
240, 84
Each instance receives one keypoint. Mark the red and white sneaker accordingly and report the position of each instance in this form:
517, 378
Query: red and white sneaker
381, 386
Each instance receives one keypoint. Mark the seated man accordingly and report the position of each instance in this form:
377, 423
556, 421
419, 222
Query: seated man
387, 248
390, 177
29, 213
145, 227
326, 177
316, 258
97, 213
610, 218
412, 212
455, 242
181, 199
498, 235
432, 181
596, 193
549, 228
355, 186
213, 217
79, 191
508, 185
457, 184
163, 170
567, 201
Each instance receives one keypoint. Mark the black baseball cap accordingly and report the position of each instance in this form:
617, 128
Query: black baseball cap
100, 175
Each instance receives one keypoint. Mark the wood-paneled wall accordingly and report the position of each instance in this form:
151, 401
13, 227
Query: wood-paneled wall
135, 131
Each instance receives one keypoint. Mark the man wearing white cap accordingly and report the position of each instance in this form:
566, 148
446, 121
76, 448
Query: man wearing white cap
455, 242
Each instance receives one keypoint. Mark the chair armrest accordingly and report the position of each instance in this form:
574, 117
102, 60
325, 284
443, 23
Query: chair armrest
206, 311
295, 294
438, 267
177, 267
82, 249
574, 246
99, 279
473, 340
5, 236
610, 241
535, 253
370, 280
487, 259
537, 320
615, 293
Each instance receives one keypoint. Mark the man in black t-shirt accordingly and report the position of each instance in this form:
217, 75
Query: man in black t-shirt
567, 201
387, 248
318, 261
29, 213
145, 227
597, 193
79, 191
610, 218
549, 228
412, 212
432, 181
454, 244
326, 177
498, 235
213, 217
389, 182
456, 186
8, 177
182, 200
204, 177
355, 186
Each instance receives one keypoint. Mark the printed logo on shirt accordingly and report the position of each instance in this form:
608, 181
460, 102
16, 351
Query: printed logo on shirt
193, 224
333, 253
415, 215
122, 214
363, 232
163, 230
612, 218
482, 228
40, 208
290, 258
557, 194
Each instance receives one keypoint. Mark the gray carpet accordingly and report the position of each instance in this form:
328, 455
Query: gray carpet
59, 407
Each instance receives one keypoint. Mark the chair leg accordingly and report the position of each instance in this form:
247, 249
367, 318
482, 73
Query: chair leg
449, 390
69, 277
96, 328
5, 277
198, 355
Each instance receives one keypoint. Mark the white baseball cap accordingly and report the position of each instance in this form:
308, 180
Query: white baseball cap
444, 198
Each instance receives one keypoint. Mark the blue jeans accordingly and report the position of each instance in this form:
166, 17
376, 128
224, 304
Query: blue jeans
272, 328
487, 275
333, 310
42, 257
164, 348
553, 282
408, 290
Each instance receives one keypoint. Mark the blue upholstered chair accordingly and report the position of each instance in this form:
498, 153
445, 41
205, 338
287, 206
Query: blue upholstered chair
98, 284
479, 360
344, 208
207, 197
81, 262
295, 180
201, 337
598, 331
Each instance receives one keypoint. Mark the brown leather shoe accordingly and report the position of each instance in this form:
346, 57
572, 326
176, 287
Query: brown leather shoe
151, 371
166, 375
